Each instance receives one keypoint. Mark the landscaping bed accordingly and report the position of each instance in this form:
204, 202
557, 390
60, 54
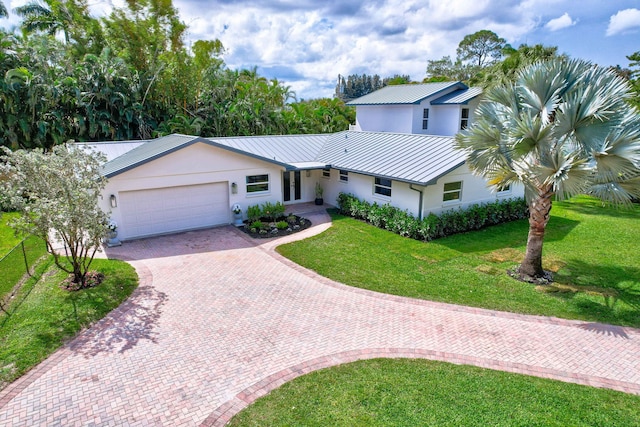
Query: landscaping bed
265, 228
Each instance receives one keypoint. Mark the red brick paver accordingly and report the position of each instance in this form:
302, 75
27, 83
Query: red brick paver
220, 320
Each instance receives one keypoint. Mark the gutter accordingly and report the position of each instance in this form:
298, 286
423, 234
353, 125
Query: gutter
421, 198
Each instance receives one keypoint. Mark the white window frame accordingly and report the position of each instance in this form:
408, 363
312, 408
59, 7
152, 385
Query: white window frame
505, 189
249, 185
379, 186
425, 119
344, 176
464, 121
326, 173
453, 191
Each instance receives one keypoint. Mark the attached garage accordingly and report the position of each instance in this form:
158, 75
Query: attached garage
171, 209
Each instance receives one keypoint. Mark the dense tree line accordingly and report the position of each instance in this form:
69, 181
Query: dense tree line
357, 85
129, 75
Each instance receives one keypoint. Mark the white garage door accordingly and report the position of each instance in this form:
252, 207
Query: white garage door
171, 209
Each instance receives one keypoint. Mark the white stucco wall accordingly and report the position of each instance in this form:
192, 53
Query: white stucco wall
198, 164
474, 190
384, 118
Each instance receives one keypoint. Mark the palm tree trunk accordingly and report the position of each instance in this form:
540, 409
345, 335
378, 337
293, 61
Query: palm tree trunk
539, 208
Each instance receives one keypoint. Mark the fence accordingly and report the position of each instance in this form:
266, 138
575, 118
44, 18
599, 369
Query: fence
19, 261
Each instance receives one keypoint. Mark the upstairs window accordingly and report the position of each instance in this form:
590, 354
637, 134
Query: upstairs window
464, 119
344, 176
382, 186
504, 189
326, 173
452, 191
425, 118
257, 183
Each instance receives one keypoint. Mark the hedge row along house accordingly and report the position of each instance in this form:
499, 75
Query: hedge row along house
400, 151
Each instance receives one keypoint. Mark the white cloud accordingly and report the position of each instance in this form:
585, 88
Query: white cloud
561, 22
624, 20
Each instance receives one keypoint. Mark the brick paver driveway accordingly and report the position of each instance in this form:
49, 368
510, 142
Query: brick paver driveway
218, 321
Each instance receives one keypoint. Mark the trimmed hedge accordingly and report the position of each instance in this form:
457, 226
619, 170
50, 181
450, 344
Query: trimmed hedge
433, 226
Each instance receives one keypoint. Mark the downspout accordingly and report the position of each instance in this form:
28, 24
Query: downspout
421, 197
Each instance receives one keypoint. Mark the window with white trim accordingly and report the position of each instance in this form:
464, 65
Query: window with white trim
326, 173
257, 183
344, 176
425, 118
504, 189
464, 119
382, 186
452, 191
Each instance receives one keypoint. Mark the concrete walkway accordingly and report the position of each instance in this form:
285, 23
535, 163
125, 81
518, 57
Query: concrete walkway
220, 319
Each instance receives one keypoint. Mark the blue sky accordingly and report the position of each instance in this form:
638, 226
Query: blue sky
307, 43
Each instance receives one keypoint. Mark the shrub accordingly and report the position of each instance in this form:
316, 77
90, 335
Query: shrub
433, 226
257, 224
282, 225
272, 211
291, 219
254, 213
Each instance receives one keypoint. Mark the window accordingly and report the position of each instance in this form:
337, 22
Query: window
326, 173
505, 189
257, 183
464, 121
425, 118
452, 191
382, 186
344, 176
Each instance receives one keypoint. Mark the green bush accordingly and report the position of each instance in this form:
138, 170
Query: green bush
254, 213
257, 225
433, 226
272, 211
282, 225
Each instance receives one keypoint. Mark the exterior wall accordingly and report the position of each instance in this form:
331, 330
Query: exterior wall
446, 120
474, 190
384, 118
197, 164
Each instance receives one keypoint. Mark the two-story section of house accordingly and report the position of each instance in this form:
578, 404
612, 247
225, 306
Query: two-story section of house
442, 108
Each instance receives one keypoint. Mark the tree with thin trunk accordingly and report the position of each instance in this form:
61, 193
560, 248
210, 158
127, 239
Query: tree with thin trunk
57, 195
563, 128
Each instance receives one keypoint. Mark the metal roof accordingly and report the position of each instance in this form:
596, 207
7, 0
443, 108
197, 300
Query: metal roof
462, 96
111, 149
405, 94
417, 159
283, 148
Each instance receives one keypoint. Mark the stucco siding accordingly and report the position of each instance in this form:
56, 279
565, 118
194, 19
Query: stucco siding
385, 118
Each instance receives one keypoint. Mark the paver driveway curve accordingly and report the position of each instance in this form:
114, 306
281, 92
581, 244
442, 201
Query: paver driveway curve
219, 320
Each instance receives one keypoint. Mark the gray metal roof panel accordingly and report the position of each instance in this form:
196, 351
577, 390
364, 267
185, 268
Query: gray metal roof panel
405, 94
111, 149
283, 148
462, 96
419, 159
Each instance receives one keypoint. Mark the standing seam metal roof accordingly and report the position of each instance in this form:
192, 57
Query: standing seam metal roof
462, 96
405, 94
418, 159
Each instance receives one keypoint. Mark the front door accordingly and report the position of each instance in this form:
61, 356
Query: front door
292, 190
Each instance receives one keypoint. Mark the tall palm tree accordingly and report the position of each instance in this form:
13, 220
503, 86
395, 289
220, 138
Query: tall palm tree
563, 128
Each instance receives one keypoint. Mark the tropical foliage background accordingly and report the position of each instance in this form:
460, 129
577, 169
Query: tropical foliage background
130, 75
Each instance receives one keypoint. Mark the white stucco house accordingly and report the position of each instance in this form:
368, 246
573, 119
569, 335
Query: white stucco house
181, 182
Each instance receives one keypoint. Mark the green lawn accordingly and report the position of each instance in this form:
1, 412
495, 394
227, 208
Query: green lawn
404, 392
594, 250
8, 238
43, 316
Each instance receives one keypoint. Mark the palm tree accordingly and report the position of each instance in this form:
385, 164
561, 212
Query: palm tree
563, 128
3, 11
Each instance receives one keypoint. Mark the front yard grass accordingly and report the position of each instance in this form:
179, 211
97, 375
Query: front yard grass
42, 317
592, 249
406, 392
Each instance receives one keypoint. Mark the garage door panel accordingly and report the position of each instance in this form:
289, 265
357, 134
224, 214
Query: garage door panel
171, 209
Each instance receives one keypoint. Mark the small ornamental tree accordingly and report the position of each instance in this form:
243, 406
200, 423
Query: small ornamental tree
57, 194
563, 128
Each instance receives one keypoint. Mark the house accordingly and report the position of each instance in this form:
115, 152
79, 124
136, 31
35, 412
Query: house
427, 109
181, 182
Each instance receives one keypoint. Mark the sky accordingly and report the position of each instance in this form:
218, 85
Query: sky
307, 43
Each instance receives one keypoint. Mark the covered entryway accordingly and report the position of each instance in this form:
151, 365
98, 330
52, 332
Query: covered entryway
171, 209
